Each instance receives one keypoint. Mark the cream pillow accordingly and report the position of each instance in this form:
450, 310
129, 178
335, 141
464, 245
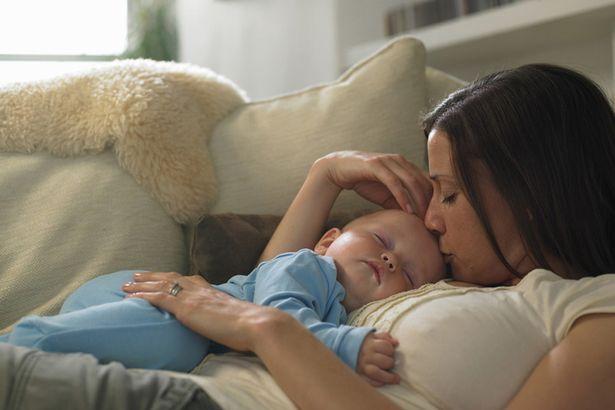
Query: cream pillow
66, 220
263, 150
440, 85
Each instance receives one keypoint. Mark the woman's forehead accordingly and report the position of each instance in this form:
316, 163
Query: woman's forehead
439, 154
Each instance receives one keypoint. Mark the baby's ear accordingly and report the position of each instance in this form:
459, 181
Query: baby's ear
326, 240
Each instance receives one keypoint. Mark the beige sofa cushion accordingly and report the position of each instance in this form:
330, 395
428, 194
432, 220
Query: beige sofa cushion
65, 221
439, 85
263, 150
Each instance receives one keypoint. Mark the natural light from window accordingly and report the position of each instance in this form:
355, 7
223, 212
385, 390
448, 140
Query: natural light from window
58, 28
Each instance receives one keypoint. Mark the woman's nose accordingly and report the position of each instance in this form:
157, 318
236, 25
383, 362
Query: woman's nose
434, 222
389, 261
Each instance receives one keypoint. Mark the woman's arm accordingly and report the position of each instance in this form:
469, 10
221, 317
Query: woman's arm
308, 372
388, 180
577, 373
305, 218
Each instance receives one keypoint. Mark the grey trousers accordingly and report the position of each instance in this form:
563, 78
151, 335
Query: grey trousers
32, 379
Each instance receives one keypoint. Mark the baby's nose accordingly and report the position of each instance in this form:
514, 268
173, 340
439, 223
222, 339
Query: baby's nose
389, 261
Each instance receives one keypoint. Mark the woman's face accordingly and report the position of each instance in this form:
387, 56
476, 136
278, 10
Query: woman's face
460, 233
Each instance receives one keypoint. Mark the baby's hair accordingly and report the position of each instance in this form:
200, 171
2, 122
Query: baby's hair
342, 219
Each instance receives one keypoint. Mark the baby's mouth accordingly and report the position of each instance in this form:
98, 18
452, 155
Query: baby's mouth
377, 271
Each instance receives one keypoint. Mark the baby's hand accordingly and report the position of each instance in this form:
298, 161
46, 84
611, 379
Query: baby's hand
376, 358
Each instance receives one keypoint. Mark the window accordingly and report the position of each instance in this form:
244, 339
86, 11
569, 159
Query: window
41, 38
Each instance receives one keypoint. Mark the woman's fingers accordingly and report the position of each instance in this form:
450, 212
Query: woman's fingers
158, 286
412, 183
395, 185
155, 282
163, 281
155, 276
203, 308
388, 180
416, 182
163, 300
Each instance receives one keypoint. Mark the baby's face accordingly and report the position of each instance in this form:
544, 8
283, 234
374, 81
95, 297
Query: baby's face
381, 254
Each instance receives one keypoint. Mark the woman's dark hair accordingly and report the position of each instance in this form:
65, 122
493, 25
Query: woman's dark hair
547, 136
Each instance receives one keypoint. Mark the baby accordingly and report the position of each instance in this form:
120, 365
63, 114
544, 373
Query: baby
373, 257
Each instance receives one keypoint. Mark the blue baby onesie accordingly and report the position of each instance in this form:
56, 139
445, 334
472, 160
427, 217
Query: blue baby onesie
96, 318
304, 284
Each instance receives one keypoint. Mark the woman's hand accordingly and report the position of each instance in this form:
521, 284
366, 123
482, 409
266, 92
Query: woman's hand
388, 180
291, 353
202, 308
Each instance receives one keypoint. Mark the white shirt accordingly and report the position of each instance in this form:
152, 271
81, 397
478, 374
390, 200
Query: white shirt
472, 348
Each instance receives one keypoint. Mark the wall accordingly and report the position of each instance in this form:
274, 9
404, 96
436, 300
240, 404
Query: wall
270, 47
267, 47
593, 58
362, 21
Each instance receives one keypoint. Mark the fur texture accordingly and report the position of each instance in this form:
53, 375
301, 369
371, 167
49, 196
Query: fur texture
156, 116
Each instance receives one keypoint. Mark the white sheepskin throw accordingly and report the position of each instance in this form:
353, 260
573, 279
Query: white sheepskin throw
156, 116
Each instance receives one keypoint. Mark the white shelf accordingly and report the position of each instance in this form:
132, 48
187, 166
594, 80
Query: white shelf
514, 28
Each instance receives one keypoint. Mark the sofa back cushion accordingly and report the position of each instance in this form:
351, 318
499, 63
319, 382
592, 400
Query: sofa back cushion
67, 220
263, 150
439, 85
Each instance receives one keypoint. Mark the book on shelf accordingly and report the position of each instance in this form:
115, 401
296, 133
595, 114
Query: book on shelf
425, 13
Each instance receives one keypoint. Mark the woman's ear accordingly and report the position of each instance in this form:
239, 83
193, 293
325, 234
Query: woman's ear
326, 240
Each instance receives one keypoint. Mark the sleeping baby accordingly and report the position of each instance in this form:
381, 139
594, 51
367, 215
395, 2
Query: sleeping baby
371, 258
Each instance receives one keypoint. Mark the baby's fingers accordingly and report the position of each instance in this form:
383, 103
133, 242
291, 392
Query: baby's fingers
373, 382
377, 374
382, 361
383, 347
387, 336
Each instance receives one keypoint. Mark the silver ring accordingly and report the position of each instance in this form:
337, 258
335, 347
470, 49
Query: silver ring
175, 289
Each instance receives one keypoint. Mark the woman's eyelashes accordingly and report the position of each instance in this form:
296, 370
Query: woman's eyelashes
449, 198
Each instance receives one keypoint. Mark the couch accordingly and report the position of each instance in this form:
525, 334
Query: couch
116, 168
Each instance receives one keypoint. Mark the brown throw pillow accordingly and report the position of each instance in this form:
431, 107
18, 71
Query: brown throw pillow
230, 244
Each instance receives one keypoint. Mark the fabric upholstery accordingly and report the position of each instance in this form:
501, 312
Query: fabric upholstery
439, 85
263, 150
65, 221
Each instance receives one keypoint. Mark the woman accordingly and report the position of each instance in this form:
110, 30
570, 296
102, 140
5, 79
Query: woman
519, 178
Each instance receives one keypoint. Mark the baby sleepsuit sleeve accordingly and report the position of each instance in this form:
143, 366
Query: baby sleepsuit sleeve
304, 284
97, 319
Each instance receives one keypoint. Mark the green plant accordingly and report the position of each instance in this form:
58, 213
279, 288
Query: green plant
152, 30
